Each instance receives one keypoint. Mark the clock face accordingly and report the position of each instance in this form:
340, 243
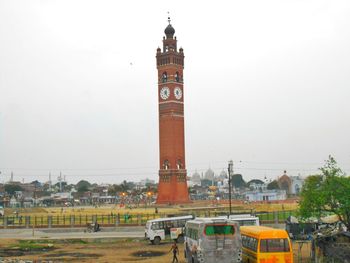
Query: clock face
164, 93
178, 93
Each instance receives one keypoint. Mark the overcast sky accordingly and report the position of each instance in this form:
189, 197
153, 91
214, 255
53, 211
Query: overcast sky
267, 84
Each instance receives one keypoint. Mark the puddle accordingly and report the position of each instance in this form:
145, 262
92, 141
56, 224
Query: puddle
17, 252
73, 255
148, 253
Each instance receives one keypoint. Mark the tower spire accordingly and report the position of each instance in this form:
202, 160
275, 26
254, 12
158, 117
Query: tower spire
169, 20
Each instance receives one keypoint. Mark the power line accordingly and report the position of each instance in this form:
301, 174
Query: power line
208, 164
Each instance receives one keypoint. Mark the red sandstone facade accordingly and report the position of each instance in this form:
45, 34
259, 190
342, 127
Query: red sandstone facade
172, 188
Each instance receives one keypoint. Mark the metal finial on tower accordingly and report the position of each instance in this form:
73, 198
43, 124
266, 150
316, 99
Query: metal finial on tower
169, 20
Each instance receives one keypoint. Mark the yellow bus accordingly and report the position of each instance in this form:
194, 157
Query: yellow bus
265, 245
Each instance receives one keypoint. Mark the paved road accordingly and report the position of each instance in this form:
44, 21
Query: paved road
71, 233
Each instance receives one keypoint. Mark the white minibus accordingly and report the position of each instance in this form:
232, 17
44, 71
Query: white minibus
158, 229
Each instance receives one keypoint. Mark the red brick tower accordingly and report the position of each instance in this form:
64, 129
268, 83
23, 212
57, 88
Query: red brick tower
172, 188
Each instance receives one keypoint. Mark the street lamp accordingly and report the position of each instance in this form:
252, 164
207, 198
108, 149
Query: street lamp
230, 171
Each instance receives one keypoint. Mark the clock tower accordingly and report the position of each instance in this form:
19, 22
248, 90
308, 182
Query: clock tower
172, 188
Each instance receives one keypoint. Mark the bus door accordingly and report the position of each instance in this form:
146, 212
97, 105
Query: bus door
157, 230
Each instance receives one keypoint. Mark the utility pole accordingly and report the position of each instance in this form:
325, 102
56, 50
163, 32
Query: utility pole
230, 171
50, 183
60, 181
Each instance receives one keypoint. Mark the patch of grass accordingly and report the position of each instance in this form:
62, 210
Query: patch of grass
34, 244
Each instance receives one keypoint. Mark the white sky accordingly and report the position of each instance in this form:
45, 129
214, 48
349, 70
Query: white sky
266, 84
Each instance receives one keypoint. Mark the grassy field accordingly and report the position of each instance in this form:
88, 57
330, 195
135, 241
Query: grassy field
114, 214
115, 209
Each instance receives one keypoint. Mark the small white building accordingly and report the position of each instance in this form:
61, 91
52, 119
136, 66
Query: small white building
146, 182
297, 183
14, 202
266, 195
258, 187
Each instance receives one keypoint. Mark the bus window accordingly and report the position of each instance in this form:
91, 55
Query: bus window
219, 230
192, 233
247, 222
250, 242
155, 226
182, 223
274, 245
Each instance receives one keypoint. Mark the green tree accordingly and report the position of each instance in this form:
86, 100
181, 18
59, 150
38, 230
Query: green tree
83, 186
273, 185
12, 188
237, 181
114, 189
328, 192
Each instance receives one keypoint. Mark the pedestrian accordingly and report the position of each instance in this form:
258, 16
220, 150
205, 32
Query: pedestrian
175, 250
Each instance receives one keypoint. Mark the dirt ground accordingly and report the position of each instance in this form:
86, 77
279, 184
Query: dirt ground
125, 250
122, 250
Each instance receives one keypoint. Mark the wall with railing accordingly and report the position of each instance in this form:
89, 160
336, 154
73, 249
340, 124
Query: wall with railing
80, 220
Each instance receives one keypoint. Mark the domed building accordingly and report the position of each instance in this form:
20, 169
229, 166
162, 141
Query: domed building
291, 184
285, 183
209, 175
223, 175
196, 179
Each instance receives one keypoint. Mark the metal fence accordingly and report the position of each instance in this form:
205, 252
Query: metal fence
81, 220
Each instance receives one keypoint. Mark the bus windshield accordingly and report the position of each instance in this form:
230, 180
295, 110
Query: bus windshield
274, 245
211, 230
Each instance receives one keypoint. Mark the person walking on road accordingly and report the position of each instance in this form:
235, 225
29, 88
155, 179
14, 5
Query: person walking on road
175, 250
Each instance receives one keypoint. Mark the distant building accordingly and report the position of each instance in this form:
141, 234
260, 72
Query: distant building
222, 176
209, 175
14, 202
285, 183
297, 184
196, 179
291, 184
266, 195
257, 186
146, 182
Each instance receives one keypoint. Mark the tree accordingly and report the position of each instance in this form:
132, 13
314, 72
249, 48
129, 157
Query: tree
114, 189
63, 184
328, 192
12, 188
273, 185
83, 186
237, 181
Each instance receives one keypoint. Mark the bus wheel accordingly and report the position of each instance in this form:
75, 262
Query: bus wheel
180, 239
156, 241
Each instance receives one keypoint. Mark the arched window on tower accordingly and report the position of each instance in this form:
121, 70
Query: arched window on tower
164, 77
179, 164
166, 165
177, 77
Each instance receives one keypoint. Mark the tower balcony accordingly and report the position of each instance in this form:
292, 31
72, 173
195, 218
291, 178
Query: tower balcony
171, 175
